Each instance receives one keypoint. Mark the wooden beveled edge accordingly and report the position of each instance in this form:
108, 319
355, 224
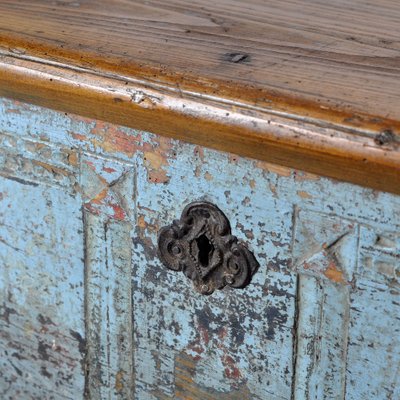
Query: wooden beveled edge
366, 158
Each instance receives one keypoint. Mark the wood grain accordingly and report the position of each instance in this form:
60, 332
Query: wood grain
238, 63
344, 55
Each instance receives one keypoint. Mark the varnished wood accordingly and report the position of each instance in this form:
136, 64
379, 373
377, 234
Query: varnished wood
305, 84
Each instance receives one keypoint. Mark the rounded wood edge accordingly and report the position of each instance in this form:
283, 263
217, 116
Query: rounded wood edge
365, 158
281, 100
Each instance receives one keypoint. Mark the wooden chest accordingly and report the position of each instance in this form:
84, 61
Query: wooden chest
268, 132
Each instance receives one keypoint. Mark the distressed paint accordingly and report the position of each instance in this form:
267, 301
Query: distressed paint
42, 331
322, 331
363, 314
38, 162
374, 333
373, 347
109, 308
237, 339
325, 246
319, 320
107, 187
108, 200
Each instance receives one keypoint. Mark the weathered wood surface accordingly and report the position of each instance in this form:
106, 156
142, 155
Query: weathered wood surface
319, 321
304, 84
307, 54
349, 325
234, 340
42, 326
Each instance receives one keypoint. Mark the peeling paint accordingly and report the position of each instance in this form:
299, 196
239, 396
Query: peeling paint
305, 328
208, 176
334, 274
304, 195
42, 345
277, 169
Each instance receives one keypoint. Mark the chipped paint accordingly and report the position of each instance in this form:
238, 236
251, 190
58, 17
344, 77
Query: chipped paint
159, 176
42, 329
276, 169
198, 151
334, 274
233, 158
208, 176
304, 195
301, 176
101, 181
50, 168
119, 381
72, 158
305, 328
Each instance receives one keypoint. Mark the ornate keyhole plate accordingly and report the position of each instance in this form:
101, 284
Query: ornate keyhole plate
200, 244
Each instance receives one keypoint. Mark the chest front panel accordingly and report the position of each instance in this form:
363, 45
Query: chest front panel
81, 206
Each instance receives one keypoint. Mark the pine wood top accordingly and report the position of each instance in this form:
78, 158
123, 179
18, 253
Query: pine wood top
326, 65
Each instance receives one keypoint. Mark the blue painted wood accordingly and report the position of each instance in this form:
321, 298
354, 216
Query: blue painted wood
234, 339
78, 236
322, 336
109, 308
42, 325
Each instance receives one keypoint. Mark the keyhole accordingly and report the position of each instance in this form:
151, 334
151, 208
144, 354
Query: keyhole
205, 250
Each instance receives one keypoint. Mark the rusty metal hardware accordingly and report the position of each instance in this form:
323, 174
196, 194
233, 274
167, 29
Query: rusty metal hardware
200, 244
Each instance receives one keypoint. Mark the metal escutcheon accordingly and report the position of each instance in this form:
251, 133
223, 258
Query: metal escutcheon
200, 244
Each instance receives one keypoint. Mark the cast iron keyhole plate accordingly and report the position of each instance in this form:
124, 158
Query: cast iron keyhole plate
201, 245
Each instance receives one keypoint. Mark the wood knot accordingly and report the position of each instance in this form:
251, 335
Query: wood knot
385, 137
236, 58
